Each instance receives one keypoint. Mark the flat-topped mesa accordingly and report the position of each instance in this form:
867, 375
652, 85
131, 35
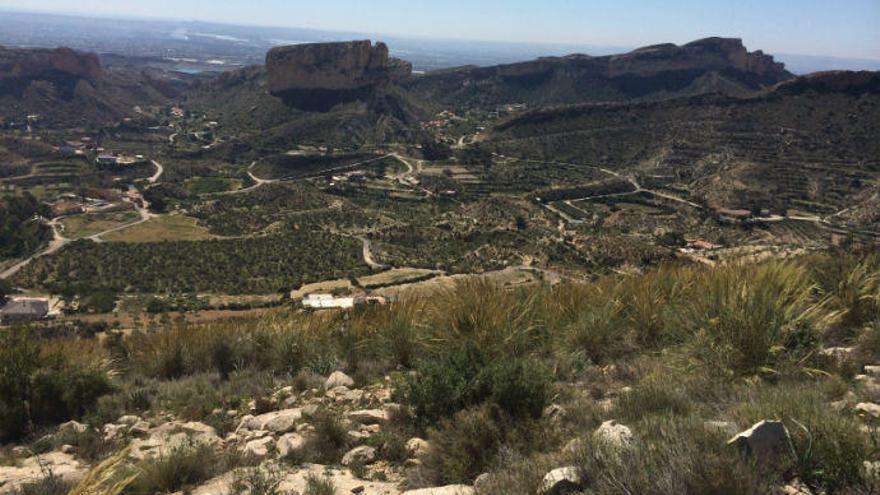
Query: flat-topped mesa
343, 66
707, 53
19, 67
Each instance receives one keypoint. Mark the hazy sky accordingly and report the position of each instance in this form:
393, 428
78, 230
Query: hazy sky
846, 28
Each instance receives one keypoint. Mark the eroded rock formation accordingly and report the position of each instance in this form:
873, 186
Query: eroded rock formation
317, 76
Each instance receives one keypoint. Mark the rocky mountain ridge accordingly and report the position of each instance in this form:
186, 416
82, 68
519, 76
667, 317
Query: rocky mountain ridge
711, 65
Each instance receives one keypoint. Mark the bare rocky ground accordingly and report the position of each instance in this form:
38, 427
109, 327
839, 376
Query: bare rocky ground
272, 436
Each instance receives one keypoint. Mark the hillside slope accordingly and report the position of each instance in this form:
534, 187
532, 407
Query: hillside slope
807, 144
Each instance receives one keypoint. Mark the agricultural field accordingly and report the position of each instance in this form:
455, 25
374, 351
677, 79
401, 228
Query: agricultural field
87, 225
163, 228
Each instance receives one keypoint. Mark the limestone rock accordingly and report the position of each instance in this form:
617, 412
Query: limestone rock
291, 443
34, 469
72, 428
259, 448
359, 455
276, 421
614, 434
338, 379
369, 416
169, 436
417, 447
561, 480
868, 409
763, 440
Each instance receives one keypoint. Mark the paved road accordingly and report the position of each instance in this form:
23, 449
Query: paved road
57, 242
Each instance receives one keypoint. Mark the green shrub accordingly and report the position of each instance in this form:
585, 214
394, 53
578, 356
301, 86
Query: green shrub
463, 446
183, 466
458, 379
316, 485
327, 443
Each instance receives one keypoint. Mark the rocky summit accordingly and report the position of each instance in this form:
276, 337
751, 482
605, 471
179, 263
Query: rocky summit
321, 74
63, 66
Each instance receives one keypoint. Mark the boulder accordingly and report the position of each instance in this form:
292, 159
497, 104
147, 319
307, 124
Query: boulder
34, 469
338, 379
868, 409
169, 436
561, 480
417, 447
872, 371
259, 448
276, 421
72, 428
369, 416
359, 455
139, 429
290, 444
764, 439
443, 490
481, 483
128, 420
614, 434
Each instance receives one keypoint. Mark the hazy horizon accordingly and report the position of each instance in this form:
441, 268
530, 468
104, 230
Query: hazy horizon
845, 29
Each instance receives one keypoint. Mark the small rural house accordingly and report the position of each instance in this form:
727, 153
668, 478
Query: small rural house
24, 310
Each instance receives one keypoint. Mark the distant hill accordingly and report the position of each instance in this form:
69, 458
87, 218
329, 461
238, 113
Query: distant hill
810, 144
711, 65
67, 88
340, 94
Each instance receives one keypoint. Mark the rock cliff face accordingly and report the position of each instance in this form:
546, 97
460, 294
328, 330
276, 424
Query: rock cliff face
317, 76
654, 72
62, 67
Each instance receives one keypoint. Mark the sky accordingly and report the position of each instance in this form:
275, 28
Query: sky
838, 28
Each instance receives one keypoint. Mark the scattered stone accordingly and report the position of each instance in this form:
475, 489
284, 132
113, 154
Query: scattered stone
763, 440
796, 487
72, 428
139, 429
358, 489
338, 379
21, 451
614, 434
276, 421
561, 480
290, 444
873, 371
868, 409
443, 490
231, 413
34, 469
369, 416
310, 410
417, 447
169, 436
871, 470
259, 448
68, 449
113, 431
358, 437
359, 455
128, 420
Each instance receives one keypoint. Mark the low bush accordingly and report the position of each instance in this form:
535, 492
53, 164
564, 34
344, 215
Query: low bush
183, 466
461, 378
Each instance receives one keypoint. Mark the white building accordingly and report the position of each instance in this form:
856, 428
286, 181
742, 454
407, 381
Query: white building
327, 301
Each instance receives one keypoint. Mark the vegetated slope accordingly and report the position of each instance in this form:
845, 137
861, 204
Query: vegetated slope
62, 87
635, 383
811, 143
712, 65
